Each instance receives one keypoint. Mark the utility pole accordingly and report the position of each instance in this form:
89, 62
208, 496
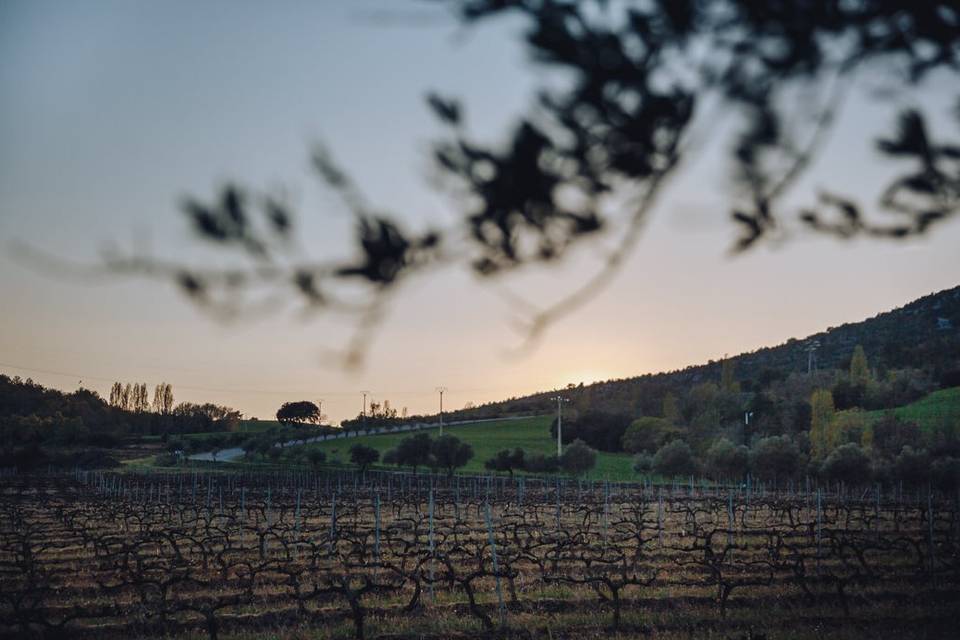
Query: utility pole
560, 400
363, 413
812, 346
441, 390
320, 411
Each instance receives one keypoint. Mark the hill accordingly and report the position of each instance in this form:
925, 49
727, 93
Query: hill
923, 334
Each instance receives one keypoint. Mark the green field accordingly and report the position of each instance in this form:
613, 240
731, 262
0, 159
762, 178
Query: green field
929, 412
244, 426
487, 438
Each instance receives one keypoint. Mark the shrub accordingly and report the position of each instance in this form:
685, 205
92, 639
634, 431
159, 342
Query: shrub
506, 460
724, 460
449, 453
540, 463
316, 457
775, 457
848, 464
675, 459
363, 456
912, 466
643, 463
578, 458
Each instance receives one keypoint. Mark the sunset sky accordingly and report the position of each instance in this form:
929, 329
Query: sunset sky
111, 112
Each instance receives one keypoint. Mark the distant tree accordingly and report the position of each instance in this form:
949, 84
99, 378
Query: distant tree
157, 399
578, 458
675, 459
413, 451
142, 402
643, 464
601, 430
539, 463
506, 460
848, 394
316, 458
363, 456
775, 457
725, 460
163, 398
647, 434
912, 466
126, 397
848, 426
449, 453
821, 417
116, 395
848, 464
890, 435
728, 380
304, 411
859, 369
671, 410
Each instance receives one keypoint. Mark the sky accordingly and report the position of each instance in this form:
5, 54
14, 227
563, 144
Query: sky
112, 112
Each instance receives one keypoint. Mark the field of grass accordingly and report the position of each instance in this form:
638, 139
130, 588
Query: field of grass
929, 412
487, 438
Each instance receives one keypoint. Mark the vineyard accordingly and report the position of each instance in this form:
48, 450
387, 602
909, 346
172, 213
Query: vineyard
91, 554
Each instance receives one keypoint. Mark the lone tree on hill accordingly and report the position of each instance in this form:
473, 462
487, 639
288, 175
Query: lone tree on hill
412, 451
316, 458
363, 456
302, 412
821, 419
859, 369
449, 453
506, 460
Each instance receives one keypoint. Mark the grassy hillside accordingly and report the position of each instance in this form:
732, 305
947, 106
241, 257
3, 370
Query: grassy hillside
487, 438
928, 412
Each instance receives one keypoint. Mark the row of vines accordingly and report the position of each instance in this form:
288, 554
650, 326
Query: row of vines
88, 554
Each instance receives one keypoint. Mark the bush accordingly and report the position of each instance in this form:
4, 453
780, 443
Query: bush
540, 463
643, 464
413, 451
316, 457
847, 464
578, 458
775, 457
891, 434
506, 460
363, 456
449, 453
912, 466
724, 460
675, 459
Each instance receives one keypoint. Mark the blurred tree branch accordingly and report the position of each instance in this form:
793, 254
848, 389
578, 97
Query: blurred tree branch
639, 74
